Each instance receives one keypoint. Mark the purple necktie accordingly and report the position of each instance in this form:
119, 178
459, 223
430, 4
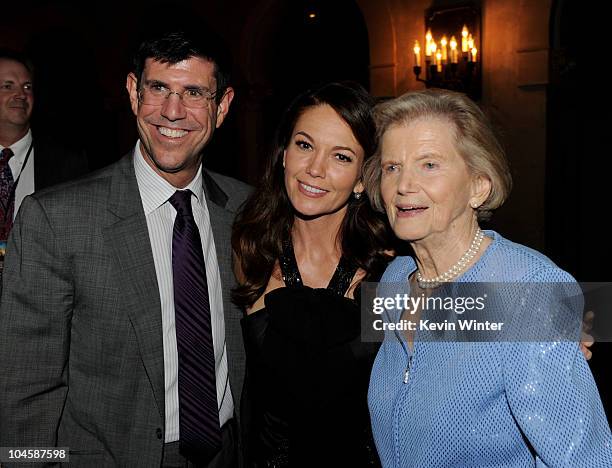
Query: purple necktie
199, 431
7, 199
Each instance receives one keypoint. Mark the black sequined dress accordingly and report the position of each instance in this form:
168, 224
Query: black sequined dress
308, 374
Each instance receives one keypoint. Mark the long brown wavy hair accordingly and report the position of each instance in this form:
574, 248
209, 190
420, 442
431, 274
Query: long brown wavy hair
267, 217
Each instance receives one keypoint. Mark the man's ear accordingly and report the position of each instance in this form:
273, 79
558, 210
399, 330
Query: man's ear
224, 105
131, 85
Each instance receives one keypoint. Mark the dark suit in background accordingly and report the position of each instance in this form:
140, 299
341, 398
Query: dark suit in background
55, 163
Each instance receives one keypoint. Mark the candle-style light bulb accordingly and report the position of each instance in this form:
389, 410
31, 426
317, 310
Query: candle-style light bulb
464, 37
443, 49
453, 51
417, 54
438, 61
428, 39
470, 42
433, 48
474, 54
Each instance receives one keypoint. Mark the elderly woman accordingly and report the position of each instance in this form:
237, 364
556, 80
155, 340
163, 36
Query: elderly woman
438, 171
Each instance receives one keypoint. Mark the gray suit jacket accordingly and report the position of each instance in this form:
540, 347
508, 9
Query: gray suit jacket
81, 347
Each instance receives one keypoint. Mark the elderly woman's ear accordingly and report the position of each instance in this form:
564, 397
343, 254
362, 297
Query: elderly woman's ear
481, 189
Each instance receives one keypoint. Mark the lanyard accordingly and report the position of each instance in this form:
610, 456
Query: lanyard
14, 188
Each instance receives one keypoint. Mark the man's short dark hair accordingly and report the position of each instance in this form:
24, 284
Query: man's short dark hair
9, 54
176, 46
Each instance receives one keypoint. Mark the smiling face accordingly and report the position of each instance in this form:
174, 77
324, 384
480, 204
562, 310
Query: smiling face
426, 186
322, 163
173, 136
16, 98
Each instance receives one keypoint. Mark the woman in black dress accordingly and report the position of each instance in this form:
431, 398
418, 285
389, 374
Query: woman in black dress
304, 242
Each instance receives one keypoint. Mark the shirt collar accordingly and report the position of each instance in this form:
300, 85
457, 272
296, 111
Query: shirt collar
20, 147
154, 189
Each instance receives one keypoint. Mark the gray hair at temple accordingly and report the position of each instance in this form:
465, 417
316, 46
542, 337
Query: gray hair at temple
474, 139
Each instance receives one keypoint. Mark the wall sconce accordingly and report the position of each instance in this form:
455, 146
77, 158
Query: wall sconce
452, 54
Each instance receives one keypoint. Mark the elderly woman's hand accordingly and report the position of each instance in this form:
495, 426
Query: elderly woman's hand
586, 340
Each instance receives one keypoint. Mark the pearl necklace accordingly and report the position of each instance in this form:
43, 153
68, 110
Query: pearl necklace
457, 268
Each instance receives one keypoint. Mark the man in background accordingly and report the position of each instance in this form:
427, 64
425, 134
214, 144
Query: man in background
25, 165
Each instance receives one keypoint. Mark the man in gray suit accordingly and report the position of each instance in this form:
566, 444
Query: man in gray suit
94, 350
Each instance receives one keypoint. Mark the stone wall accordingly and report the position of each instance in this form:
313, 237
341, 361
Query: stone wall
515, 73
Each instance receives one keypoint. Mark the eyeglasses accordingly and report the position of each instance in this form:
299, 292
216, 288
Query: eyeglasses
155, 94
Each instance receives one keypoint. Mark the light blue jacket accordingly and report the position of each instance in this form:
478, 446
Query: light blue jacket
487, 404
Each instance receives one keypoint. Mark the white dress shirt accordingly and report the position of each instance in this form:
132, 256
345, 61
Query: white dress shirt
25, 186
160, 214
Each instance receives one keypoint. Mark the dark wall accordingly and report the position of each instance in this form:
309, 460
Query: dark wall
579, 164
82, 53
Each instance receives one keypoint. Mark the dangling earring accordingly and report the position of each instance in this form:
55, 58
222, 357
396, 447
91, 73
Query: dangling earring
356, 195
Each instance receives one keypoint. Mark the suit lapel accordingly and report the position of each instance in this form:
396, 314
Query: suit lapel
212, 190
129, 242
221, 221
